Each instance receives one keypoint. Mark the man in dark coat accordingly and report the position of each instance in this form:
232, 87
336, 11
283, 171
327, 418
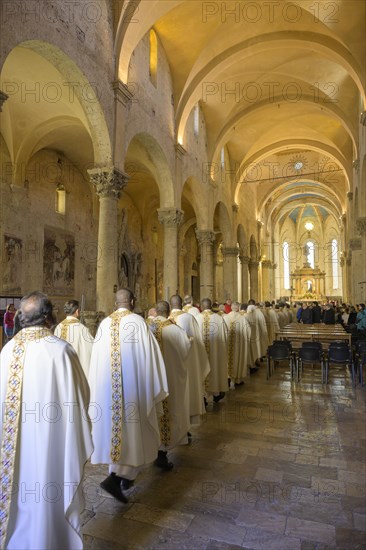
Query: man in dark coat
306, 315
329, 315
317, 313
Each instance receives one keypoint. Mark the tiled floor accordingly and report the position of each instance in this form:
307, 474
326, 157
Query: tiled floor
276, 465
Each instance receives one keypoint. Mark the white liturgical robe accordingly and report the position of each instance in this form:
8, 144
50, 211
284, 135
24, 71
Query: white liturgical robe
238, 345
262, 332
198, 364
272, 323
193, 310
254, 347
52, 441
127, 382
79, 337
175, 346
214, 335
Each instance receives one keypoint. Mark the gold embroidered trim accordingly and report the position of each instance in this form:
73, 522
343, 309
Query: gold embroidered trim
206, 339
11, 423
174, 314
206, 330
164, 422
65, 326
231, 342
116, 374
187, 308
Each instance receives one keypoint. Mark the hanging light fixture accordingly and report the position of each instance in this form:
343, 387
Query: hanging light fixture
309, 226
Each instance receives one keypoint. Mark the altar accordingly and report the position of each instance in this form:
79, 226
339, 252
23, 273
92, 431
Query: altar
308, 284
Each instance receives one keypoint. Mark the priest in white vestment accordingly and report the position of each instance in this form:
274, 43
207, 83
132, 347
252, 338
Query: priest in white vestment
175, 347
77, 334
271, 321
214, 335
198, 364
262, 340
45, 435
127, 380
248, 312
189, 307
238, 344
282, 319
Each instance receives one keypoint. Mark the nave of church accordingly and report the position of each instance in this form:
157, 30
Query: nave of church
207, 148
276, 465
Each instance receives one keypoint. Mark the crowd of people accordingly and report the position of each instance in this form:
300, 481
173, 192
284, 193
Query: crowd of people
123, 398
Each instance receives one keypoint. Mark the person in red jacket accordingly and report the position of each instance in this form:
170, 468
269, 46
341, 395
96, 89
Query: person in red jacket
9, 320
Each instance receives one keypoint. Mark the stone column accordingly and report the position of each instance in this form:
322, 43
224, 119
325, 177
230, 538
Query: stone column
108, 183
170, 218
230, 272
244, 278
206, 239
253, 275
266, 280
182, 270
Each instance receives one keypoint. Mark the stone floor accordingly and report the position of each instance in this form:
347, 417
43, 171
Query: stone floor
275, 465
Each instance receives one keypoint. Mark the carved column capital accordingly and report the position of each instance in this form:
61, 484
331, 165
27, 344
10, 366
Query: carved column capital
205, 236
3, 98
350, 195
108, 181
361, 225
121, 92
244, 259
253, 264
356, 165
363, 118
170, 217
267, 264
235, 208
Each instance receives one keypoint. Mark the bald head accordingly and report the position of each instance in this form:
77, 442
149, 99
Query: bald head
35, 310
125, 298
176, 302
152, 312
206, 304
163, 308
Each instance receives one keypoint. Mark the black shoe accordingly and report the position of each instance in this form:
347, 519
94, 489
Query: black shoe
218, 398
189, 435
239, 383
252, 370
205, 401
112, 484
162, 461
127, 483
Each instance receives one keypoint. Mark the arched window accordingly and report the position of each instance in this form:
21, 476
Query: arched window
335, 264
60, 202
222, 158
196, 120
286, 265
153, 66
311, 254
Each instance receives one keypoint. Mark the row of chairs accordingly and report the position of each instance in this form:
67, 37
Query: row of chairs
312, 353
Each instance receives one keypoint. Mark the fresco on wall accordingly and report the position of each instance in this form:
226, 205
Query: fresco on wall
58, 262
12, 265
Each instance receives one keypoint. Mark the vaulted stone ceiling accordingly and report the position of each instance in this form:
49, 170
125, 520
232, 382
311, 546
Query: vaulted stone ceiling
272, 79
